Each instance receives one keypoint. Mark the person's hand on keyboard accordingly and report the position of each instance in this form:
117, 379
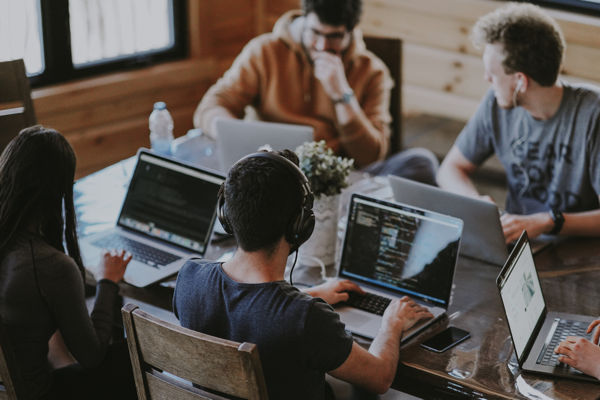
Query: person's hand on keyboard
406, 311
580, 353
334, 291
112, 265
596, 335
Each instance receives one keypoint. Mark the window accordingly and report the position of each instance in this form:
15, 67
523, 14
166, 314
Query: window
62, 40
591, 7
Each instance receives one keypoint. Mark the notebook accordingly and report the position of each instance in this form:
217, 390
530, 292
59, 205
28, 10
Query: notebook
482, 238
393, 250
238, 138
535, 332
167, 217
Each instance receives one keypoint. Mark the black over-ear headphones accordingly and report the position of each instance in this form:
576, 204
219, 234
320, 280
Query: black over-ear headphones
302, 222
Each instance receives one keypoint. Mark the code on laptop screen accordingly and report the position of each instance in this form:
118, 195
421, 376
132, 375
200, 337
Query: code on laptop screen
171, 202
399, 248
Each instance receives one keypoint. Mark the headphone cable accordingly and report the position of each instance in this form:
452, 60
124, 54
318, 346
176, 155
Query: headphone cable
293, 265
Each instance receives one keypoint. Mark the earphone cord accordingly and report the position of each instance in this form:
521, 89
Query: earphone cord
292, 270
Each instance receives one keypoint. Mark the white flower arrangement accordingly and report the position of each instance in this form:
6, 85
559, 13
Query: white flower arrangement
327, 174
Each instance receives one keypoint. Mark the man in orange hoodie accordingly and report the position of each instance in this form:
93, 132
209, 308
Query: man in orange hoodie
314, 69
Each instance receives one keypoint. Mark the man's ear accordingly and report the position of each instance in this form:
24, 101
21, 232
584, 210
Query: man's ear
525, 82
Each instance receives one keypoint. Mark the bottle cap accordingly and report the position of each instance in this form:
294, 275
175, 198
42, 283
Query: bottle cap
160, 105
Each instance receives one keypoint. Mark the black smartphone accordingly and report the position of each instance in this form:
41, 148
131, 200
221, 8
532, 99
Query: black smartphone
447, 338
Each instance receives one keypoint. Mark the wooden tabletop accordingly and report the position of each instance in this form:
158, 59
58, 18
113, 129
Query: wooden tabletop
484, 366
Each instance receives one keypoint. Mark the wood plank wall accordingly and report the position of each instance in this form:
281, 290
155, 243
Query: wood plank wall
106, 118
442, 71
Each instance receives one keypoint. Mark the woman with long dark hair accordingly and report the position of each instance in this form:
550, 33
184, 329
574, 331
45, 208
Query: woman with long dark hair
42, 298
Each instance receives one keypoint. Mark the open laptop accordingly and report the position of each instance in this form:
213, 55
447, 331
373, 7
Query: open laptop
535, 332
238, 138
482, 238
167, 216
393, 250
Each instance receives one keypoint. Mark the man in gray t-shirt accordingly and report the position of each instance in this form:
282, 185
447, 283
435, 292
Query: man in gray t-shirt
544, 131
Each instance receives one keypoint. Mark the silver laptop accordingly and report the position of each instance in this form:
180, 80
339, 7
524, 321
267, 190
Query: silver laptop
167, 217
535, 332
482, 238
393, 250
238, 138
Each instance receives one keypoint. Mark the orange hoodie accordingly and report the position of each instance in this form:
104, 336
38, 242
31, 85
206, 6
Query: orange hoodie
274, 75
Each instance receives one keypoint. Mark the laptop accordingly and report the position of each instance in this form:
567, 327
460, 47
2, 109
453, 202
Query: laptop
482, 238
238, 138
535, 332
393, 250
167, 217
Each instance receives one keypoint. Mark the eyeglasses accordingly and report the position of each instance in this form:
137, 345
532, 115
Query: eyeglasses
334, 38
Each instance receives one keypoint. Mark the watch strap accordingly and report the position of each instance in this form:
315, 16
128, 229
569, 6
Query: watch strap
559, 220
346, 97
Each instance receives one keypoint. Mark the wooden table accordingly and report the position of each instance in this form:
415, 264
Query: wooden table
484, 366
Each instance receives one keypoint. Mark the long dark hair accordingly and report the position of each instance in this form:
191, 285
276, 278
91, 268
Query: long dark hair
37, 170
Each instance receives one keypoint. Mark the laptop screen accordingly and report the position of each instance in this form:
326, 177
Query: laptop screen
521, 296
171, 201
396, 247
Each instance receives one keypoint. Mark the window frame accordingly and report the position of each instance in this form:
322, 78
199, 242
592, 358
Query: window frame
576, 6
57, 57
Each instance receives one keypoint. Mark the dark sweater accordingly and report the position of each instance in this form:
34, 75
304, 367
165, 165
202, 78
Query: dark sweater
42, 291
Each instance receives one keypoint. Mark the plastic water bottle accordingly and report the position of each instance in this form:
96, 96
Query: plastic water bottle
161, 129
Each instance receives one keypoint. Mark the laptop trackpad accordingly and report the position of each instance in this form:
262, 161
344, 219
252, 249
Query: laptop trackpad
355, 319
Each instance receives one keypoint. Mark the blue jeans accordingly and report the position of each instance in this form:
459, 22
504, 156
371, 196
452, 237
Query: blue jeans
416, 164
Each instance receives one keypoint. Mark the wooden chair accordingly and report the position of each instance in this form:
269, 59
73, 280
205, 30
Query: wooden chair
218, 366
10, 382
16, 107
389, 50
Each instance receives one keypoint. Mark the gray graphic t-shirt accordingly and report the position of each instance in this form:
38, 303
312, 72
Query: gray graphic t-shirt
551, 164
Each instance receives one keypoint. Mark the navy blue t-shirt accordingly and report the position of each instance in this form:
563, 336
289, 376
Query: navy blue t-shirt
299, 337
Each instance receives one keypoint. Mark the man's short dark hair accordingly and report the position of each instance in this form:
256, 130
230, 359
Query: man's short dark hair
335, 12
533, 42
261, 198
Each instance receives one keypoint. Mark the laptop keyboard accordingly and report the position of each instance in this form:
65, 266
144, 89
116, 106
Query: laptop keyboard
370, 302
564, 328
141, 252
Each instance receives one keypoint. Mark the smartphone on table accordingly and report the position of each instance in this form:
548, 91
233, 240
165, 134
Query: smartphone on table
447, 338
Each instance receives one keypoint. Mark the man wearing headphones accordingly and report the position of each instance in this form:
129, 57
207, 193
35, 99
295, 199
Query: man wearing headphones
545, 132
267, 204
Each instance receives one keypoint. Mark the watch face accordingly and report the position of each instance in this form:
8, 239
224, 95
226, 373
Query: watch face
347, 97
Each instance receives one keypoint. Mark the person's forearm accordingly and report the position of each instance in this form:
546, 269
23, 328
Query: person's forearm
206, 120
386, 347
454, 180
362, 140
585, 223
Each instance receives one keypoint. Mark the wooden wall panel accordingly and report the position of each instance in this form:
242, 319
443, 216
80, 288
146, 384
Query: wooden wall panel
106, 118
442, 69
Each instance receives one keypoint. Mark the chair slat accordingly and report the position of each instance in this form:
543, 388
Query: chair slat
221, 365
167, 388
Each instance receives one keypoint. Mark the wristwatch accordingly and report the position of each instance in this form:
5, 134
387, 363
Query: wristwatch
559, 220
346, 97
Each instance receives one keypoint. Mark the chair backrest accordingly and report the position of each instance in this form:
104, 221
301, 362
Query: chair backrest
10, 382
216, 365
389, 50
16, 107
